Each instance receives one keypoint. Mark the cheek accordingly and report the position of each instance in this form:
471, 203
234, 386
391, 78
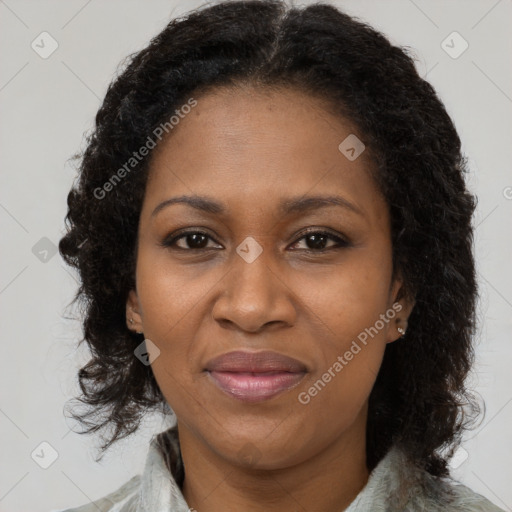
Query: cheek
169, 293
173, 307
349, 303
350, 297
346, 380
177, 368
339, 387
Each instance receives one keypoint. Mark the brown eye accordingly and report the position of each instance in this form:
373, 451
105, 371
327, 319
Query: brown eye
316, 241
189, 240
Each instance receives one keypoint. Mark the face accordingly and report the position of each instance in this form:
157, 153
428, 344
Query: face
265, 268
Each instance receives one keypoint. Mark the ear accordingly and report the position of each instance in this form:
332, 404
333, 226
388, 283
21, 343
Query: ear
402, 305
133, 313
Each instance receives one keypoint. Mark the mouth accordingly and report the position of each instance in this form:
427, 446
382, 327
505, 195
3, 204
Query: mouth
255, 387
255, 376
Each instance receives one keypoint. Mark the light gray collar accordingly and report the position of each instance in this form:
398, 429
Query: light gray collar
395, 485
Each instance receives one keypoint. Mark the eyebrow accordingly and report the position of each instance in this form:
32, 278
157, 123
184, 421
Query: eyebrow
286, 207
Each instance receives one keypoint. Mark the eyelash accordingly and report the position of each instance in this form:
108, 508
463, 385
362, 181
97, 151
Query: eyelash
341, 242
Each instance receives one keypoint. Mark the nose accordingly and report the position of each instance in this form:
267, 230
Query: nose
254, 297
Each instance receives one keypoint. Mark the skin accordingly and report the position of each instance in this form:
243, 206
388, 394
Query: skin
250, 149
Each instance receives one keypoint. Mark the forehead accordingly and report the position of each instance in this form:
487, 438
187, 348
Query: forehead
252, 148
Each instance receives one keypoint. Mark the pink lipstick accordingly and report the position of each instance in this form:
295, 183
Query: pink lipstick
255, 376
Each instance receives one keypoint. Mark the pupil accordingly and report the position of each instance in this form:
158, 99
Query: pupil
318, 241
196, 240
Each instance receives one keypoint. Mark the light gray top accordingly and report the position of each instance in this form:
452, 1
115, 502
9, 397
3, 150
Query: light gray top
395, 485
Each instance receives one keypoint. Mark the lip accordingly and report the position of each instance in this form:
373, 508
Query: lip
254, 362
255, 376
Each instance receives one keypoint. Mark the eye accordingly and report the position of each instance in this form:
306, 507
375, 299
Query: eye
317, 241
190, 240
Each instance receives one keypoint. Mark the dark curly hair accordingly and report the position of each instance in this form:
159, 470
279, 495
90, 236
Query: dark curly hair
419, 400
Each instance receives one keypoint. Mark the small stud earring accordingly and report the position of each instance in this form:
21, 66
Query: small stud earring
131, 322
401, 330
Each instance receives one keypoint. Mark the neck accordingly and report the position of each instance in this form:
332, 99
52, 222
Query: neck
326, 482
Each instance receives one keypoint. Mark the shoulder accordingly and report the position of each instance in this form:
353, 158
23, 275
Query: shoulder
463, 498
156, 488
447, 495
122, 499
416, 489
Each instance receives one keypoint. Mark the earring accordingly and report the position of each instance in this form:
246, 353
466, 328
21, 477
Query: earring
401, 330
131, 323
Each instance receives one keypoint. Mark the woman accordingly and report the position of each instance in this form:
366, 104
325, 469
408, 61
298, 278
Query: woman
274, 239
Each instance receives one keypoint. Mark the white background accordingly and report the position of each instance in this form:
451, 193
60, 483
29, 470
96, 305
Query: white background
48, 104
